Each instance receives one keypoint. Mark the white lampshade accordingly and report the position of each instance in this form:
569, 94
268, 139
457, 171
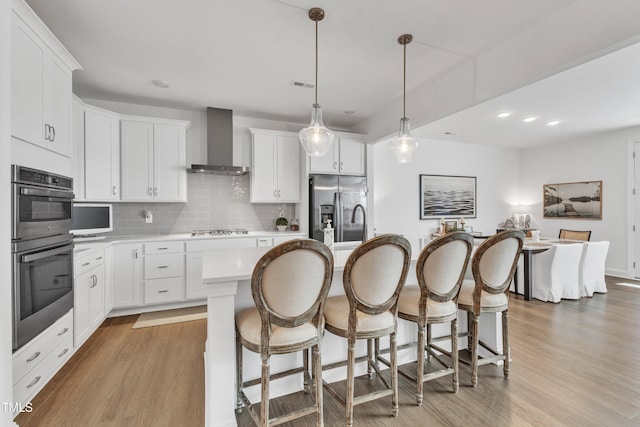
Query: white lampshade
316, 139
404, 146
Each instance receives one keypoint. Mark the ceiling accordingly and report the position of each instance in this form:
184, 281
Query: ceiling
244, 55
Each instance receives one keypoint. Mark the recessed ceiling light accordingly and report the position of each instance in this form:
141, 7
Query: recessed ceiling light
349, 111
553, 122
160, 83
529, 119
504, 115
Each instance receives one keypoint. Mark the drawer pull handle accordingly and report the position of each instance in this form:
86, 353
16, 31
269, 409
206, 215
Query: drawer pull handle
86, 263
64, 331
99, 258
34, 357
34, 382
162, 249
163, 266
65, 351
164, 291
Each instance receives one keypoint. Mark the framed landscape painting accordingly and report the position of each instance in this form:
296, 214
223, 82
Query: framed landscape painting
579, 200
444, 196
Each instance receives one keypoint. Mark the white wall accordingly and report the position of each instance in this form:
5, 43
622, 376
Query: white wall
6, 382
599, 157
396, 186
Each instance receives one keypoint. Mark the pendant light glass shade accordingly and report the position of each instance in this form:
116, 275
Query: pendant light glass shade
404, 146
316, 139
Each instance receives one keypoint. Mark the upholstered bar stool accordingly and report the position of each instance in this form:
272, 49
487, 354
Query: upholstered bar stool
440, 271
493, 266
289, 287
373, 277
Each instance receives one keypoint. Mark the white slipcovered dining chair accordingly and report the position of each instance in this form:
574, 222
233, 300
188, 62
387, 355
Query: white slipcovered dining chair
555, 273
592, 264
440, 271
373, 276
493, 265
289, 286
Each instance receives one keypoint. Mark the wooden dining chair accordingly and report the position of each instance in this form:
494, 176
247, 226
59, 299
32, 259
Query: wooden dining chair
289, 287
373, 277
493, 265
584, 235
440, 271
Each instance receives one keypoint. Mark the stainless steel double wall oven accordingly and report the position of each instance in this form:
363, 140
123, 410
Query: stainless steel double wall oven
42, 250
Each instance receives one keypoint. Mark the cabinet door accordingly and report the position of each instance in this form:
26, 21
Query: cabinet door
102, 157
288, 167
81, 309
137, 161
127, 275
263, 168
96, 297
169, 163
352, 156
26, 84
56, 100
327, 163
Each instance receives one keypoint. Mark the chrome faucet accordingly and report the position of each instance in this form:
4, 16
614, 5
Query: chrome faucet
364, 220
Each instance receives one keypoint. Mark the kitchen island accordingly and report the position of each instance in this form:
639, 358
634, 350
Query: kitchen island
227, 277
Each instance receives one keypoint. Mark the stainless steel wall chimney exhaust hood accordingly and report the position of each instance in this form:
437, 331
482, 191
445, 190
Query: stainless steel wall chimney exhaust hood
219, 145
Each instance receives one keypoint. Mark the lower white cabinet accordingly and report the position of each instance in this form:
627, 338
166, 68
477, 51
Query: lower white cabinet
127, 278
37, 362
164, 272
89, 295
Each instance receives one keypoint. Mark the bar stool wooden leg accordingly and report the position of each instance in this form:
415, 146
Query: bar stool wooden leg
505, 342
454, 353
316, 365
239, 380
305, 366
351, 362
474, 349
394, 373
264, 403
420, 364
370, 358
428, 341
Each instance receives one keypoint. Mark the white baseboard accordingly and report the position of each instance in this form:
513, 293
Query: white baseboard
117, 312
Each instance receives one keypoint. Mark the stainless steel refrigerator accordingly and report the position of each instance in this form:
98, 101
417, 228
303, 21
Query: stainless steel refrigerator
341, 199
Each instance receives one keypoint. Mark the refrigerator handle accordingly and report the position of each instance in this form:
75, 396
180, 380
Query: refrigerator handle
340, 227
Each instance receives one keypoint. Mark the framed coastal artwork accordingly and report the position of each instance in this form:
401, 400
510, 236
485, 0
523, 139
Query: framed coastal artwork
446, 196
573, 200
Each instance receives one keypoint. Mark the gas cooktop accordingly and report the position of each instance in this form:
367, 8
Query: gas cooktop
219, 232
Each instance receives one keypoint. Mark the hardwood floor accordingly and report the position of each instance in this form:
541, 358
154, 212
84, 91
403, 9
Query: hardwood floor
576, 363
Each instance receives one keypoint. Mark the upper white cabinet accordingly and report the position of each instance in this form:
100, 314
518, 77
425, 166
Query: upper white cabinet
346, 157
101, 155
275, 167
153, 160
40, 82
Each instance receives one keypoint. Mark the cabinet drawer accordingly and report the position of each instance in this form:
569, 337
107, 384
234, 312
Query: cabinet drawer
160, 266
25, 389
86, 263
264, 242
164, 290
163, 248
29, 356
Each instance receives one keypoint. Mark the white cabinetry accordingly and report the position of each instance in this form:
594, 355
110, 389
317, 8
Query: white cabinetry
127, 275
40, 82
275, 167
164, 272
101, 155
36, 362
153, 158
346, 157
89, 295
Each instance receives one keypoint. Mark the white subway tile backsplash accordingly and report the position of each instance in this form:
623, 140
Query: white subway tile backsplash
213, 202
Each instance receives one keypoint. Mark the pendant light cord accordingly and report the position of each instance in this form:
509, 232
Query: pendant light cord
316, 62
404, 82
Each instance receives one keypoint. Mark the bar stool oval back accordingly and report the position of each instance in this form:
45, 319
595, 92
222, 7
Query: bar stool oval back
440, 271
493, 266
373, 277
289, 287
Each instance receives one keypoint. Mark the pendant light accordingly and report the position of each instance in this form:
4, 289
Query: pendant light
404, 146
316, 139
